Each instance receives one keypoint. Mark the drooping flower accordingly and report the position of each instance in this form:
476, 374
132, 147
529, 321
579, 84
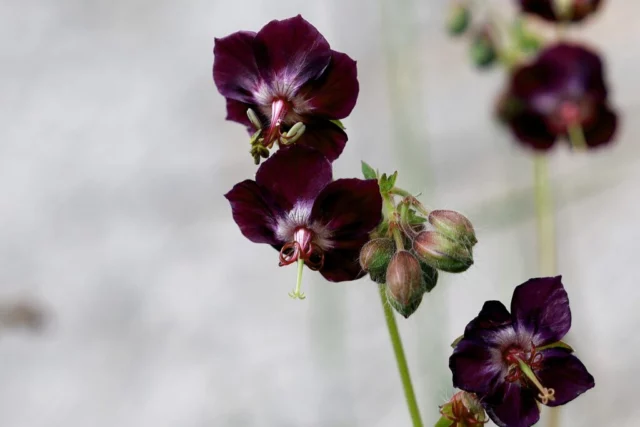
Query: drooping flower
287, 83
560, 10
296, 207
513, 360
562, 94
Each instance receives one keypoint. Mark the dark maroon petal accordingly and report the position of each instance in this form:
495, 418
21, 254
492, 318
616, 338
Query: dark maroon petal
291, 52
473, 367
349, 209
234, 67
531, 130
325, 137
334, 95
542, 8
294, 174
237, 112
342, 265
516, 406
541, 306
603, 129
254, 211
493, 315
564, 373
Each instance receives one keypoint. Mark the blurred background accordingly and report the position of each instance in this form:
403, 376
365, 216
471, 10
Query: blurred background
151, 309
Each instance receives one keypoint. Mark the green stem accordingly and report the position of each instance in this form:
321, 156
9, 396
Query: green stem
396, 342
546, 237
576, 137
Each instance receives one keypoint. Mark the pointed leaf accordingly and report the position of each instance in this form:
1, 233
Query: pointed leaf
457, 341
338, 123
368, 172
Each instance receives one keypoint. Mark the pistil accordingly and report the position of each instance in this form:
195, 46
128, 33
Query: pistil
546, 394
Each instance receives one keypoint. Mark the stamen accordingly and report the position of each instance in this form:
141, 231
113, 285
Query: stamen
546, 394
253, 118
296, 294
293, 134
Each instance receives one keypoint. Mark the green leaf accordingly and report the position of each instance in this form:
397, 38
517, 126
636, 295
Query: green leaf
386, 183
558, 344
392, 179
368, 171
444, 422
338, 123
457, 341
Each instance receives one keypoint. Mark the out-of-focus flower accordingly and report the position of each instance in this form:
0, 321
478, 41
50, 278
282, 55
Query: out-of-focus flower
562, 94
285, 84
513, 360
560, 10
294, 206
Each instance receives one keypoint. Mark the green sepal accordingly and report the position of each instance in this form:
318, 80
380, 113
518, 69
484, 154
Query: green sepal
387, 182
558, 344
404, 310
368, 172
429, 276
338, 123
444, 422
414, 218
457, 341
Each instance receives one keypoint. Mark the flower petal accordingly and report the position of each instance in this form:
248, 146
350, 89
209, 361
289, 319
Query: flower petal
349, 209
564, 373
342, 265
541, 307
531, 130
513, 406
493, 315
474, 368
237, 112
294, 174
254, 211
334, 95
235, 71
291, 52
601, 132
325, 137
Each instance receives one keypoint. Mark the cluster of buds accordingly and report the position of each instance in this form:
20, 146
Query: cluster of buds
462, 410
411, 244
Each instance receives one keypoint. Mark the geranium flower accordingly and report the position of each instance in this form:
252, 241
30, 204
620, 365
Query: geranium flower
283, 75
513, 360
562, 94
296, 207
560, 10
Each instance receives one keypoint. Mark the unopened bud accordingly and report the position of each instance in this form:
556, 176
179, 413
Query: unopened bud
375, 256
483, 50
429, 276
442, 253
405, 285
453, 225
459, 18
464, 409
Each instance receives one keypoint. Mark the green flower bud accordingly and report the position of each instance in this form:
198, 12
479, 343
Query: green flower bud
459, 19
375, 256
483, 51
405, 285
453, 225
442, 253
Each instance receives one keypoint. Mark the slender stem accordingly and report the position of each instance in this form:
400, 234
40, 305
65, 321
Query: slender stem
396, 341
576, 137
545, 217
546, 237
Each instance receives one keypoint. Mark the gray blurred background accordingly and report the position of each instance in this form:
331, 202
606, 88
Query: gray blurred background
114, 155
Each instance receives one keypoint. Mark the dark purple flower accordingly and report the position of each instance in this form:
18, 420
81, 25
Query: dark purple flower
296, 207
562, 94
513, 360
560, 11
286, 73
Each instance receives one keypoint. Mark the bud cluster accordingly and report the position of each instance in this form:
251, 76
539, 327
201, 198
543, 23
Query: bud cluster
411, 244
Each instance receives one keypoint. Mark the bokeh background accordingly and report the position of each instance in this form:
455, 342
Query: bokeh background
114, 155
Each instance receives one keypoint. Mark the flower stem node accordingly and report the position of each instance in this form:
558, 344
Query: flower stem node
375, 257
442, 253
405, 285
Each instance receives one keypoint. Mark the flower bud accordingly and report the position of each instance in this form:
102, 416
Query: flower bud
375, 256
459, 18
405, 285
483, 50
453, 225
429, 276
442, 253
464, 409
